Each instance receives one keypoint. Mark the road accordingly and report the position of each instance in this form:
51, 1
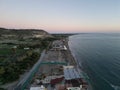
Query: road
26, 78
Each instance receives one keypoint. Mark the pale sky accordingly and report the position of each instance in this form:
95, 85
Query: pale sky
61, 15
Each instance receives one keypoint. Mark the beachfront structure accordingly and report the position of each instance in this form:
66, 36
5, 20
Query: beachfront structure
72, 77
51, 79
38, 88
70, 73
64, 47
58, 45
74, 88
73, 80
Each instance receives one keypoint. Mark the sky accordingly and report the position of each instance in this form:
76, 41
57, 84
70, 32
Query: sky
61, 15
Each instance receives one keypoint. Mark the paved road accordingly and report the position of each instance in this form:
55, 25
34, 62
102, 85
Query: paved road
28, 75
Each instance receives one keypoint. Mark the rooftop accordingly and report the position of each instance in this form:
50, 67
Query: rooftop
70, 73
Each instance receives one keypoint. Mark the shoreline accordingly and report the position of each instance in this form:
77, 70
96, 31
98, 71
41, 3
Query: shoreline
70, 56
77, 65
52, 66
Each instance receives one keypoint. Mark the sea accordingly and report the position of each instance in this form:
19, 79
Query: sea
98, 55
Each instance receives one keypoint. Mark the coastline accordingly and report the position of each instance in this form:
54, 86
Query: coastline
59, 69
70, 56
75, 63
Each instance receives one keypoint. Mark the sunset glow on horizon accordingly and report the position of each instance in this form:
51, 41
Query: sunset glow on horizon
61, 15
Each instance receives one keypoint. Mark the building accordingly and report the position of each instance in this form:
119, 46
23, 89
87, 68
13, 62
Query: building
38, 88
73, 79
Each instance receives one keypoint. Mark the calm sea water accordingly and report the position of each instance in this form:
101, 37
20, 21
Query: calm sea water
99, 56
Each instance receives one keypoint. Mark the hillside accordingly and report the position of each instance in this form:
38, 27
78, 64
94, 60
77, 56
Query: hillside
22, 33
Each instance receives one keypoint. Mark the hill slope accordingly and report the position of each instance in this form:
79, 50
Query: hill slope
23, 33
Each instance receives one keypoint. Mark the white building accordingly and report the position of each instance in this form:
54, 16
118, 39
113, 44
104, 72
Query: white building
38, 88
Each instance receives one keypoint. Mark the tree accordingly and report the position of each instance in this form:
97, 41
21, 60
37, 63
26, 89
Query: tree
2, 70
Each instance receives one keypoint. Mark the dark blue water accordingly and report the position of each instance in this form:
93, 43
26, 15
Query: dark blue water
99, 56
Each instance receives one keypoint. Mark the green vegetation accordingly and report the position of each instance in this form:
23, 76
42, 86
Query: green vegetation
60, 36
15, 59
2, 89
14, 69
